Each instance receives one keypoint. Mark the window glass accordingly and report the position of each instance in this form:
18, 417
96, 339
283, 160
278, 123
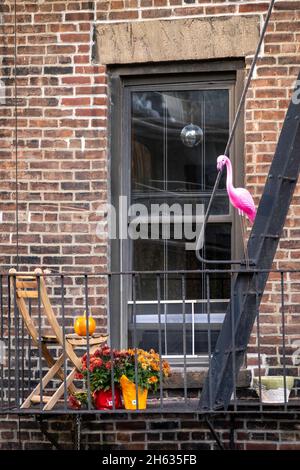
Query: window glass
161, 162
165, 169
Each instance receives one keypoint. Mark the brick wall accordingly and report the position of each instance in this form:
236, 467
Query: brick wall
156, 432
62, 138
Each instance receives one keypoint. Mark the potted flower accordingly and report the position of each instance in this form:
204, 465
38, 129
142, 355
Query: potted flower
102, 363
148, 375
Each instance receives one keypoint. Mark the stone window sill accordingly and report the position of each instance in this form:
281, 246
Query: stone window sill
196, 378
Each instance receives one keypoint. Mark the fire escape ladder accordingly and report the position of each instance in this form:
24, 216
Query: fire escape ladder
248, 287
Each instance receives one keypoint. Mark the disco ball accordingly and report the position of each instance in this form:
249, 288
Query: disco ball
191, 135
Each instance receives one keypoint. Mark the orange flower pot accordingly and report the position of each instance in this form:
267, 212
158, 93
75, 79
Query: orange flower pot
129, 395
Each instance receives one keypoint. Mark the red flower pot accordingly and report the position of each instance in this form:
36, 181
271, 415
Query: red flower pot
104, 400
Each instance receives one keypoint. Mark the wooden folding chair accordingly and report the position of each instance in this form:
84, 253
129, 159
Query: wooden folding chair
24, 286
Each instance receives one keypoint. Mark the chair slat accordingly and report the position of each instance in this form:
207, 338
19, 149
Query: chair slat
27, 294
37, 399
26, 284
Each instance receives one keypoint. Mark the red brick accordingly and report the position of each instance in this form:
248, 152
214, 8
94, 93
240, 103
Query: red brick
48, 18
75, 101
76, 80
75, 37
189, 11
292, 5
253, 7
217, 10
80, 16
260, 446
123, 15
117, 4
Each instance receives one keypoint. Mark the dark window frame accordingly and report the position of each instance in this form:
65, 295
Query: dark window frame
120, 78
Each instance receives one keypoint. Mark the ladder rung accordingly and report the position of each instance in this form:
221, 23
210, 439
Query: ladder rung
292, 179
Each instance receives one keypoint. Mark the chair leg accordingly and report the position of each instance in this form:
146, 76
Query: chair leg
45, 380
59, 392
51, 361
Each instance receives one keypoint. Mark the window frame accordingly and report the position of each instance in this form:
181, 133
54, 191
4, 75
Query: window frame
121, 81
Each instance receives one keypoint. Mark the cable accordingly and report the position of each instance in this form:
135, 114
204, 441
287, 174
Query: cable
229, 142
16, 135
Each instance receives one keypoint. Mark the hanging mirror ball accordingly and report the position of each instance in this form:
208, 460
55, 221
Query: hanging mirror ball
191, 135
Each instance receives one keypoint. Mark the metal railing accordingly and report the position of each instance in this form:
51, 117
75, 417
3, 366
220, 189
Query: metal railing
273, 349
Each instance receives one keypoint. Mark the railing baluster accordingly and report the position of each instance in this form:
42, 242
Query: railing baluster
87, 341
9, 341
158, 289
29, 351
40, 340
112, 370
62, 290
135, 339
258, 341
209, 339
183, 292
283, 337
232, 294
22, 359
17, 347
2, 339
193, 328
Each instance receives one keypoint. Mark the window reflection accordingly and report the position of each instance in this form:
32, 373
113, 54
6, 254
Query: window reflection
160, 160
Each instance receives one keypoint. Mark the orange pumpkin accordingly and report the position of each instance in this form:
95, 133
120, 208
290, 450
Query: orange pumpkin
80, 325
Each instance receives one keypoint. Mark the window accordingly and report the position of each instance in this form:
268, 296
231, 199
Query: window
152, 165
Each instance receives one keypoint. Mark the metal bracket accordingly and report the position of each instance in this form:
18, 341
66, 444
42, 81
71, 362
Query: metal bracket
214, 433
44, 431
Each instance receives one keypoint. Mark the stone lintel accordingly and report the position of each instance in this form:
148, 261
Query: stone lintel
177, 39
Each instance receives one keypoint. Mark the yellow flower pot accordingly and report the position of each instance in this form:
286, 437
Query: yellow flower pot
129, 395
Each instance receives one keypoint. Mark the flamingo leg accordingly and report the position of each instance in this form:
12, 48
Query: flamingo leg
243, 230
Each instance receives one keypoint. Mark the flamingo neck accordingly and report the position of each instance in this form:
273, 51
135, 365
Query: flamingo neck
229, 185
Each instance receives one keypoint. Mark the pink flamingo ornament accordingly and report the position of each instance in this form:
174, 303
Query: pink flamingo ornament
240, 198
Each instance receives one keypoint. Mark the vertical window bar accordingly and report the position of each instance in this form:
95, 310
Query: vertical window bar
40, 340
112, 370
193, 327
232, 295
9, 341
183, 292
283, 337
135, 339
87, 341
62, 290
165, 306
158, 288
258, 341
209, 339
17, 347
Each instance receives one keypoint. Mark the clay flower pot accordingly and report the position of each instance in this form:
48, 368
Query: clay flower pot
104, 399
